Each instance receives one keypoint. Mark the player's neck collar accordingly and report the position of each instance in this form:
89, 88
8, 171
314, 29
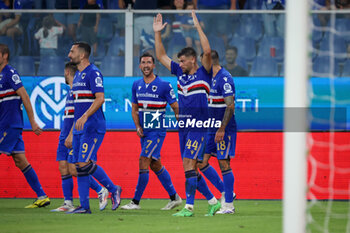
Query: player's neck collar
82, 66
149, 79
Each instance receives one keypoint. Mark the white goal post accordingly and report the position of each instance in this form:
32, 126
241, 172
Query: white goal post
295, 125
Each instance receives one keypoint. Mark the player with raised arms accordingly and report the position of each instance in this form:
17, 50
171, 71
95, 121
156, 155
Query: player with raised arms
221, 141
193, 89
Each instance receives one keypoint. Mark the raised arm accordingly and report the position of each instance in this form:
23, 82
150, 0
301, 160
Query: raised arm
158, 26
206, 61
233, 5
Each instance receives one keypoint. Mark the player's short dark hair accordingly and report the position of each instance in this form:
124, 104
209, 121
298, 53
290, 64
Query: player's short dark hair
4, 49
187, 52
234, 48
146, 54
214, 57
84, 46
71, 66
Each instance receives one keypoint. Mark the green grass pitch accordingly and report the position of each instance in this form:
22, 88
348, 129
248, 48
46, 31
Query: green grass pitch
252, 216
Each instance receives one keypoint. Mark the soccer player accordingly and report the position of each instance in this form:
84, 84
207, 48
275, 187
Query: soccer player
150, 95
65, 156
193, 89
12, 95
89, 127
221, 141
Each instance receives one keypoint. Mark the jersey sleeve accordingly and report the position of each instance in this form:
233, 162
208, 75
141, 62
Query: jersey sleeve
175, 68
15, 81
227, 86
96, 81
169, 93
133, 94
205, 75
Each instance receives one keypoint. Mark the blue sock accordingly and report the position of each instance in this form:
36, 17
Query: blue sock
164, 178
211, 174
141, 185
99, 174
95, 185
191, 186
203, 187
228, 183
33, 180
83, 186
67, 187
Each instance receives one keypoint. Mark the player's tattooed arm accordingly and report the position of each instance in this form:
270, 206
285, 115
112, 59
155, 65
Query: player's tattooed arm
229, 111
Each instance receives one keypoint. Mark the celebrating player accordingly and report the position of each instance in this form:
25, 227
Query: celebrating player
221, 140
193, 89
12, 95
65, 156
89, 126
150, 95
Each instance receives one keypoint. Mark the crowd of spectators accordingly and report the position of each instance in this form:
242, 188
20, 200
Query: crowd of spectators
240, 39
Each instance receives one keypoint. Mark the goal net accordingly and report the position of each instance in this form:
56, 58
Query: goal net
321, 153
328, 143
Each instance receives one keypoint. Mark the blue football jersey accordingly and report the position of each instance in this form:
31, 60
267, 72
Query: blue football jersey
68, 117
222, 86
11, 114
193, 91
151, 98
85, 85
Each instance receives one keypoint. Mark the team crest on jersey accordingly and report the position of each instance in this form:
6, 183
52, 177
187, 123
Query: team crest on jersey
83, 75
154, 88
144, 105
16, 79
98, 81
227, 88
184, 90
